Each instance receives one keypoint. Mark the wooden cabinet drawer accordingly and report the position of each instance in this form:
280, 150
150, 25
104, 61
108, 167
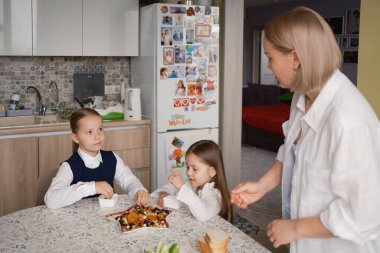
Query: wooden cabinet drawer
127, 139
135, 158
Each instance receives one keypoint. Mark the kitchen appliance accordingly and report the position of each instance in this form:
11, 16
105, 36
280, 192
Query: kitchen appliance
177, 71
88, 85
132, 104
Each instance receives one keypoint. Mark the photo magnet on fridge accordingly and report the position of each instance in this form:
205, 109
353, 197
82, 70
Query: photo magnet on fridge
168, 56
166, 36
167, 20
177, 142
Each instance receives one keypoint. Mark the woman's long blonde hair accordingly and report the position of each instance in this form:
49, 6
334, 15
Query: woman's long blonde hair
305, 31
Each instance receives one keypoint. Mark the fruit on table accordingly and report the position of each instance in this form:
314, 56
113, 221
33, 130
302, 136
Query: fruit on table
164, 248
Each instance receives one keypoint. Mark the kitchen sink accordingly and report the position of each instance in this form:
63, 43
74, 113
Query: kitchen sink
28, 120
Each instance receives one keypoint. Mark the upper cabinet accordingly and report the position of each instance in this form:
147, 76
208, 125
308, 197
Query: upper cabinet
110, 28
57, 27
69, 27
15, 27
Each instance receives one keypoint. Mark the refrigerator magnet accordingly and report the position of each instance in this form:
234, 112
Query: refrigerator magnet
189, 36
177, 142
212, 72
164, 9
199, 18
177, 35
163, 73
167, 20
178, 9
176, 71
185, 102
202, 30
190, 11
179, 53
192, 100
212, 55
180, 88
199, 89
200, 100
176, 102
197, 9
201, 79
166, 36
191, 90
178, 20
168, 53
208, 10
189, 22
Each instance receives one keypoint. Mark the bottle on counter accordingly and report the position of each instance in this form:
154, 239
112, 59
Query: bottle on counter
122, 93
13, 104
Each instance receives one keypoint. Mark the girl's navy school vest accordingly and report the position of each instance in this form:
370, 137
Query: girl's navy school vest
105, 171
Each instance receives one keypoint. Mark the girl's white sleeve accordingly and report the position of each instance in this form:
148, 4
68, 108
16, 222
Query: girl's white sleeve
125, 178
169, 188
61, 193
205, 206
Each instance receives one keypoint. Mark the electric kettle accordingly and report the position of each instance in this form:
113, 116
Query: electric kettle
132, 104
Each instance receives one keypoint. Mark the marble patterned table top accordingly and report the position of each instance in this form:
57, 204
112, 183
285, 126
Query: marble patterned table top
83, 227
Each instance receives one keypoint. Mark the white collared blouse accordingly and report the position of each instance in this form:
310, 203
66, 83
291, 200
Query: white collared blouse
61, 193
333, 171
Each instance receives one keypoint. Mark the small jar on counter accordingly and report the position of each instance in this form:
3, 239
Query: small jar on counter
15, 98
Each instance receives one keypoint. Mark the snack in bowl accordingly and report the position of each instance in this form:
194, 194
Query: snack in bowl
139, 216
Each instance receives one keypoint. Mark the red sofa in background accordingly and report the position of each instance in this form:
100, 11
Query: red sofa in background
263, 114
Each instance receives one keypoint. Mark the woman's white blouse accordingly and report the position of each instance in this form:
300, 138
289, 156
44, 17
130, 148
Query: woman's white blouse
61, 193
203, 206
335, 169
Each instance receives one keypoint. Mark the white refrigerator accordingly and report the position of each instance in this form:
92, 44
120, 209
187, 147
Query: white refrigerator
177, 72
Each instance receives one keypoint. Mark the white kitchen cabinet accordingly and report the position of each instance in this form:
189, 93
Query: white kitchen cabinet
57, 27
110, 28
16, 27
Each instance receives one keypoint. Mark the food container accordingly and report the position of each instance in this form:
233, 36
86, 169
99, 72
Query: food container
171, 202
103, 202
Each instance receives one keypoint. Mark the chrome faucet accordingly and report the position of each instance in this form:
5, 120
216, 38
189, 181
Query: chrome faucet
41, 107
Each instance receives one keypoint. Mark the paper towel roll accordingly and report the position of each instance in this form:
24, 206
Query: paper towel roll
132, 104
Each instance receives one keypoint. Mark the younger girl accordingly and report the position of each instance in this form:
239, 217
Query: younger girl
205, 192
90, 170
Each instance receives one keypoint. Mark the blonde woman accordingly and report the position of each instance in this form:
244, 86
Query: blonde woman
329, 164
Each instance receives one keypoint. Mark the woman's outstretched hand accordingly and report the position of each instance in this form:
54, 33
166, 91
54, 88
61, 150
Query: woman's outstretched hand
246, 193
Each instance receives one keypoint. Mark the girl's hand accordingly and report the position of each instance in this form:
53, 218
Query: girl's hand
104, 188
161, 197
246, 193
141, 197
176, 180
282, 232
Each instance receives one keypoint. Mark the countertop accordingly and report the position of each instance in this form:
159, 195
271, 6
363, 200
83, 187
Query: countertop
83, 227
63, 125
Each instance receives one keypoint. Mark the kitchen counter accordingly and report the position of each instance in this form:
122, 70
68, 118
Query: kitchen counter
60, 125
83, 227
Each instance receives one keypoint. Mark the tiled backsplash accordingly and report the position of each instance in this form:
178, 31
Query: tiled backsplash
17, 73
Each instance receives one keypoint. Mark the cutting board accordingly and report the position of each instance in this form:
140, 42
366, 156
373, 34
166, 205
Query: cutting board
88, 85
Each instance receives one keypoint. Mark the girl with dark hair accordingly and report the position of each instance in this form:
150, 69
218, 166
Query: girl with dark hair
205, 192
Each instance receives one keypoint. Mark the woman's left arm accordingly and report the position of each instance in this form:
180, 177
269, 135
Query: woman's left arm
286, 231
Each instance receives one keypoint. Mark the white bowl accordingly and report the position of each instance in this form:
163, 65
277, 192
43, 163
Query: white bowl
171, 202
103, 202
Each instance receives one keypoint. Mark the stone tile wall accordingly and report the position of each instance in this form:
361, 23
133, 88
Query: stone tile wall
17, 73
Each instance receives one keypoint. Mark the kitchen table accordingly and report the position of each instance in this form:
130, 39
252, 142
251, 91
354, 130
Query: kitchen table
83, 227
